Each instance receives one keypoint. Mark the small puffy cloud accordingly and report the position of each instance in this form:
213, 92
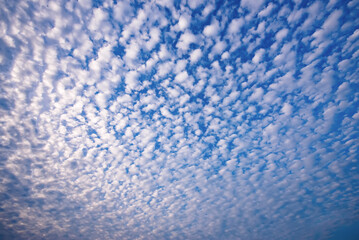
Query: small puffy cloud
265, 12
258, 56
207, 10
195, 55
235, 25
281, 34
219, 47
181, 77
225, 55
344, 65
354, 36
123, 11
163, 53
185, 40
184, 22
287, 109
101, 100
145, 137
100, 25
173, 92
86, 4
343, 91
165, 68
180, 65
332, 22
257, 94
131, 80
155, 36
212, 29
164, 111
193, 4
165, 3
132, 50
253, 6
271, 130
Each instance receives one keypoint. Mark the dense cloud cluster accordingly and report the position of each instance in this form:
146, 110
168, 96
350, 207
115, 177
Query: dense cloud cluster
165, 119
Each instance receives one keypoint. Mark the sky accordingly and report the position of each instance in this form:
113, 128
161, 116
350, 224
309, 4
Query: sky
166, 119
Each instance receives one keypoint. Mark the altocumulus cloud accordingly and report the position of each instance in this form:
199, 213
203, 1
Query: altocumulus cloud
178, 119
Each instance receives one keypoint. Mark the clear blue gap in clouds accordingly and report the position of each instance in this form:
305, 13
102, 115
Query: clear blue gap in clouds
179, 119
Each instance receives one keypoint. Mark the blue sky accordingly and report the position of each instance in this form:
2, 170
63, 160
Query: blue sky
179, 119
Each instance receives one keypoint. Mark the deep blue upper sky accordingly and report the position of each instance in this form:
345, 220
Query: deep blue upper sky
179, 120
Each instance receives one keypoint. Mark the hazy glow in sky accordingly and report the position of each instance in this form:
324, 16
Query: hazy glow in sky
179, 120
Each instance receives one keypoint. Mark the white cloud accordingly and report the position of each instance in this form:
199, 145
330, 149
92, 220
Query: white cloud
257, 94
173, 92
258, 56
280, 35
354, 36
219, 47
235, 25
165, 68
287, 109
271, 130
181, 77
195, 55
193, 4
155, 35
330, 24
98, 17
185, 40
265, 12
332, 21
86, 4
101, 100
131, 80
180, 65
166, 113
132, 50
343, 90
253, 6
134, 26
165, 3
212, 29
184, 22
123, 12
163, 53
207, 10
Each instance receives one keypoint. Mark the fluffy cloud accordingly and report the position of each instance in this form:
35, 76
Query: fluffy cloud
123, 11
212, 29
131, 80
185, 40
195, 55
